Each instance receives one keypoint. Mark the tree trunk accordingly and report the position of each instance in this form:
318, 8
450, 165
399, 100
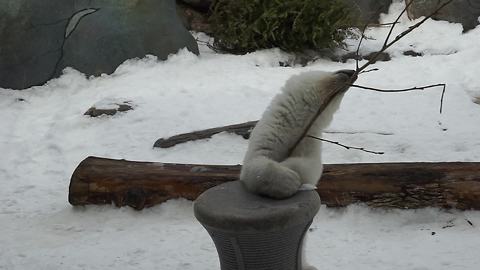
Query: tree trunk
397, 185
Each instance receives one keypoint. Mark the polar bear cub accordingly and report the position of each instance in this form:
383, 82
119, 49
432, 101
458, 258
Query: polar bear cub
273, 166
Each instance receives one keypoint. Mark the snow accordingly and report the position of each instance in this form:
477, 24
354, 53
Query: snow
44, 135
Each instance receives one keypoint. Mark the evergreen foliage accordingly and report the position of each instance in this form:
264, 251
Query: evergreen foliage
242, 26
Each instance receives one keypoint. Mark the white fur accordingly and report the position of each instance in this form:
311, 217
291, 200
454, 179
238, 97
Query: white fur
269, 168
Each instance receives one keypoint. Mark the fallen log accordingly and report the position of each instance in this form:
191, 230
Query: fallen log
242, 129
391, 185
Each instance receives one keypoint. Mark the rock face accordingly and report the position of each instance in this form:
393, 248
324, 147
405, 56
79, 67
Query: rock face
31, 37
40, 38
202, 5
465, 12
369, 11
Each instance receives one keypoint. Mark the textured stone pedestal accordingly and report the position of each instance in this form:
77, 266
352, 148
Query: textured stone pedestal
256, 233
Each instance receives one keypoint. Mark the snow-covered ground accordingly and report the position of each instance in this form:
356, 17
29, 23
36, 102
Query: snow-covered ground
44, 135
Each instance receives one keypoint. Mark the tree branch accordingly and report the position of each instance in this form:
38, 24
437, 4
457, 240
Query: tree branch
407, 90
346, 146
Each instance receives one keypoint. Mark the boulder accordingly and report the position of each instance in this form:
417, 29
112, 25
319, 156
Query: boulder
40, 38
31, 38
201, 5
368, 11
466, 12
193, 19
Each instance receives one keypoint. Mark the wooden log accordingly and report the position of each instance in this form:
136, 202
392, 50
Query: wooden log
390, 185
242, 129
142, 184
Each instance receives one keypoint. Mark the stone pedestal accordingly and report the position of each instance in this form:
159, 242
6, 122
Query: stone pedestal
256, 233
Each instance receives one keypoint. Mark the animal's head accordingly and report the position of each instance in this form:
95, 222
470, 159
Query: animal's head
339, 81
344, 78
332, 83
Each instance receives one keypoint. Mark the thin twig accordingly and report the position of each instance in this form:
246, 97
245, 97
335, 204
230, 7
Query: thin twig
397, 90
370, 70
358, 47
441, 99
382, 24
407, 90
346, 146
469, 222
395, 22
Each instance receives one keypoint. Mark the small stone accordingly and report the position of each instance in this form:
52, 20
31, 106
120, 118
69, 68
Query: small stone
412, 53
383, 57
476, 100
108, 107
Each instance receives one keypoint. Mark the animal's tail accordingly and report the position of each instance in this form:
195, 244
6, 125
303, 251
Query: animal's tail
270, 178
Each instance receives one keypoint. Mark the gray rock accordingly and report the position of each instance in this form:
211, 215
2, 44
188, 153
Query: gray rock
412, 53
465, 12
194, 20
109, 108
202, 5
368, 11
40, 38
382, 57
124, 29
31, 37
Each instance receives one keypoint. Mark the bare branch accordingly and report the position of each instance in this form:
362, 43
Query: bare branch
441, 99
407, 90
370, 70
398, 90
381, 24
358, 47
346, 146
395, 22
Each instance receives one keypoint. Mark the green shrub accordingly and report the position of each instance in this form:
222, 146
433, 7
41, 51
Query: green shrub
242, 26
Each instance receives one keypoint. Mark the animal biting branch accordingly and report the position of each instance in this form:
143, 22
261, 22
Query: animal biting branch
372, 60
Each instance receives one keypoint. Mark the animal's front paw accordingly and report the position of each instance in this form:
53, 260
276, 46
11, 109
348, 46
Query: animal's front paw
282, 182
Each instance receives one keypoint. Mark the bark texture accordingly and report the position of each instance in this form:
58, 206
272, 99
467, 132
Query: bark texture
390, 185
